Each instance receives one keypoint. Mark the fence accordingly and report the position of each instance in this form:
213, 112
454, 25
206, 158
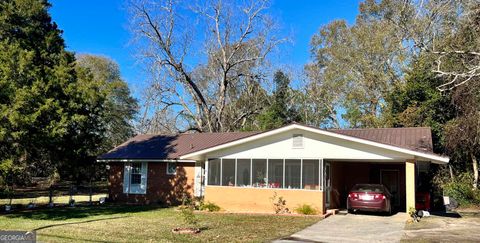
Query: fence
64, 193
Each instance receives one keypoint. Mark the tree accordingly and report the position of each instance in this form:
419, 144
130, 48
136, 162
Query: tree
55, 115
355, 67
120, 107
282, 110
200, 79
446, 37
418, 103
463, 132
36, 78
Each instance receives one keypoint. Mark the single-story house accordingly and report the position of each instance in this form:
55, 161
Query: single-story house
241, 171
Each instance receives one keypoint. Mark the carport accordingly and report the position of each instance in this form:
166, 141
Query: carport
345, 174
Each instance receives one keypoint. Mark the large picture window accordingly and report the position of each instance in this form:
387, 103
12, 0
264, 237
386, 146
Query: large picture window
266, 173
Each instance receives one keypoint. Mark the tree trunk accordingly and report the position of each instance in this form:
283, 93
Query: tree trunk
475, 171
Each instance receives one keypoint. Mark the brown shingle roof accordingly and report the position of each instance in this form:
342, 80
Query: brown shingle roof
172, 147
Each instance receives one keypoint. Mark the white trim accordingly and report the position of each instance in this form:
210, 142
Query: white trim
221, 171
251, 172
128, 187
301, 173
148, 160
236, 171
283, 177
433, 157
266, 188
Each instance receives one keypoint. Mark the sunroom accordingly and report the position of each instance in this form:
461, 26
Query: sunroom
299, 174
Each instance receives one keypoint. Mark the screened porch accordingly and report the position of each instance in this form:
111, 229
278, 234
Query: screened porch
299, 174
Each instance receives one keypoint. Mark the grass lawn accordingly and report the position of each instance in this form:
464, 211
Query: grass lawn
115, 223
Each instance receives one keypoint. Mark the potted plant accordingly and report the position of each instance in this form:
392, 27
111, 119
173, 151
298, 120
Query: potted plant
190, 221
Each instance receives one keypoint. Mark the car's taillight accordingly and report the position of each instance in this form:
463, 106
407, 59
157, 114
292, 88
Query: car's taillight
353, 195
379, 196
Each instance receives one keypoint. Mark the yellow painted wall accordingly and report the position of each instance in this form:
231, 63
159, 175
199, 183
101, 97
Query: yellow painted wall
410, 183
239, 199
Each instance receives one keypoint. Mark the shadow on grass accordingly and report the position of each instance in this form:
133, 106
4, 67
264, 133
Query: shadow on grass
82, 222
64, 213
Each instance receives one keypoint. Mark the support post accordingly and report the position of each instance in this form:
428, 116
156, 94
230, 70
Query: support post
410, 183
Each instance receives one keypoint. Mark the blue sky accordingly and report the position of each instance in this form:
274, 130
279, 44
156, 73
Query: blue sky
100, 27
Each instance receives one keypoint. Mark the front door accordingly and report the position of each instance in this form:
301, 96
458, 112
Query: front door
328, 184
390, 179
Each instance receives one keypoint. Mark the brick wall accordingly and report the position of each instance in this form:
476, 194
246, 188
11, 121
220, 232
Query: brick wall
161, 188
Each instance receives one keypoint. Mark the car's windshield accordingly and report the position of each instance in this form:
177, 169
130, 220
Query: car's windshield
368, 188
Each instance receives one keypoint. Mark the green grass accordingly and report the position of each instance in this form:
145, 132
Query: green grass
57, 199
114, 223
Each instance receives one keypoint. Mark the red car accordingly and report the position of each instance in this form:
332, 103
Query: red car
369, 197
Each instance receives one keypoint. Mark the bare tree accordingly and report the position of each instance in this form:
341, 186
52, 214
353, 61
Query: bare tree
428, 23
203, 58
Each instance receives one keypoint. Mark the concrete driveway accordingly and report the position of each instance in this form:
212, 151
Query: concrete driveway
353, 228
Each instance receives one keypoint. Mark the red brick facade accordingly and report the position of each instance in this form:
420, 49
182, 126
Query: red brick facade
161, 188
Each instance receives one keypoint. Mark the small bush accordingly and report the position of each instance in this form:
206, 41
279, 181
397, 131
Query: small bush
306, 209
209, 206
188, 216
279, 204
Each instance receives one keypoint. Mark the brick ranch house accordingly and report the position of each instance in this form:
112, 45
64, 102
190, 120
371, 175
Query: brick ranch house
241, 171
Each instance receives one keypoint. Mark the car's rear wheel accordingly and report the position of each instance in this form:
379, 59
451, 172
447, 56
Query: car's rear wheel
351, 211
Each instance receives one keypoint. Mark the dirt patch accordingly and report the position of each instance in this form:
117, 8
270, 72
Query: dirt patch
464, 227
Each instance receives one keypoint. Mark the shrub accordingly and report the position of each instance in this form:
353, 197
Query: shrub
279, 204
306, 209
461, 190
209, 206
188, 216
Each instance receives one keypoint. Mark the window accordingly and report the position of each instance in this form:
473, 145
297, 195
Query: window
135, 178
292, 173
297, 141
214, 172
259, 172
243, 172
275, 173
228, 172
171, 168
310, 174
136, 174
